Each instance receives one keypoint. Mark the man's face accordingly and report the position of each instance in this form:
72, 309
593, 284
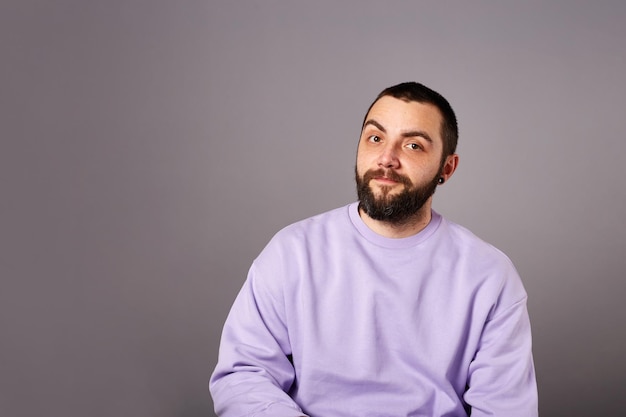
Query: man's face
398, 159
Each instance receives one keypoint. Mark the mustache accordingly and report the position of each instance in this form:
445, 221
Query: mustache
387, 173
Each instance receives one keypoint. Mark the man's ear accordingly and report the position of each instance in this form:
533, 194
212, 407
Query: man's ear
449, 166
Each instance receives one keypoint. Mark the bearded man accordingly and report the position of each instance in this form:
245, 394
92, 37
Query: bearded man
382, 307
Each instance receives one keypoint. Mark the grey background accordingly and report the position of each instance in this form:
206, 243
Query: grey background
149, 149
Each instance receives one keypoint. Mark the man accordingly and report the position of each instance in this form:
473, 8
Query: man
382, 308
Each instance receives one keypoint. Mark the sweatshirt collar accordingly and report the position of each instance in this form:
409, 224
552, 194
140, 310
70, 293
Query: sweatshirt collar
392, 243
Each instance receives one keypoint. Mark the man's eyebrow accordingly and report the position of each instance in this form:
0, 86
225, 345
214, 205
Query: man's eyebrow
408, 134
419, 133
376, 124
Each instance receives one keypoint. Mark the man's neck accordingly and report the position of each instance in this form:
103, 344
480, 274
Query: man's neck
410, 227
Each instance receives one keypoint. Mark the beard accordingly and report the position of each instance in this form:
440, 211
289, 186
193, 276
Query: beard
393, 208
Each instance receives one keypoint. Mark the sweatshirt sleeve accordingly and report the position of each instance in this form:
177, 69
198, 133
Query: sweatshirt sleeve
501, 381
254, 373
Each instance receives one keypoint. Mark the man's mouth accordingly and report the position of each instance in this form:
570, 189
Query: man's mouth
383, 177
385, 180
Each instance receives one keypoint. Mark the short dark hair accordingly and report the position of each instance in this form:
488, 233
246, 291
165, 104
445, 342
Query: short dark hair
412, 91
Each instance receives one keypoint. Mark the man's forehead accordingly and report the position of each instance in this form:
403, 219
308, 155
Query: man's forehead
391, 101
388, 109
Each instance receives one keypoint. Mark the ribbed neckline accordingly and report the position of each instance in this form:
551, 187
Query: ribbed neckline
392, 243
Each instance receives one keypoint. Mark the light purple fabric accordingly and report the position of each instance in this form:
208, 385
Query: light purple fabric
431, 325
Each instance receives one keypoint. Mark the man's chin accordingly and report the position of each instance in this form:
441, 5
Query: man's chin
383, 192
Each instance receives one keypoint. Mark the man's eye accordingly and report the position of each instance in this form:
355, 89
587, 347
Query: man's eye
414, 146
374, 138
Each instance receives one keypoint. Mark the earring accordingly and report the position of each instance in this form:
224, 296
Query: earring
441, 180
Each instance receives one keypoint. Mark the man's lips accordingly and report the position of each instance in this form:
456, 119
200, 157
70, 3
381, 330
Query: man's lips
385, 180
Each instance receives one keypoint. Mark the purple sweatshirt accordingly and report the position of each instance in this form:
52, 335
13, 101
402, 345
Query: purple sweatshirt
335, 320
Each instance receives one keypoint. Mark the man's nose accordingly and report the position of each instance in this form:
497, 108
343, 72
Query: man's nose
389, 157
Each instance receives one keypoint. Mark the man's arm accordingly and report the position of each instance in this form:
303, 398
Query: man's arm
254, 373
502, 376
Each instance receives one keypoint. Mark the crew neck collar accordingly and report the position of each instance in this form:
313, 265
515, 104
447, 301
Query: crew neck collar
392, 243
